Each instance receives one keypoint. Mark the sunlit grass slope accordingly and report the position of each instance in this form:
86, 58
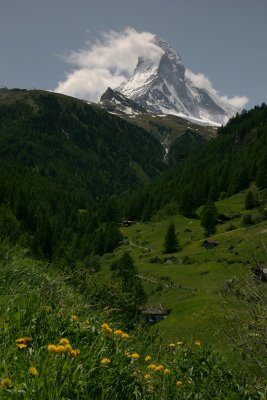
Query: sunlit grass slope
189, 282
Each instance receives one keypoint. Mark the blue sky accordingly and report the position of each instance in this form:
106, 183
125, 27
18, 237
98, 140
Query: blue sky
224, 40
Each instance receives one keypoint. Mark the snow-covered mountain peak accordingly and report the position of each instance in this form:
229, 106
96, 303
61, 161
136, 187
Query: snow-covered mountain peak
161, 86
171, 53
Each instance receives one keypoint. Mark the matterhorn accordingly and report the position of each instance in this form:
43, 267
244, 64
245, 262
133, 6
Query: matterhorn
161, 85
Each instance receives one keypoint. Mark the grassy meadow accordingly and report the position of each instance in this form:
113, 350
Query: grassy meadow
55, 345
190, 282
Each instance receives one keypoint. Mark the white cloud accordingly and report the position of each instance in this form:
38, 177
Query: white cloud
201, 81
112, 59
106, 62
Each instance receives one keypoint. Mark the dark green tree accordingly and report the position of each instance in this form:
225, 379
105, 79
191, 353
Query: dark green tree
187, 202
133, 295
249, 201
113, 237
209, 218
171, 244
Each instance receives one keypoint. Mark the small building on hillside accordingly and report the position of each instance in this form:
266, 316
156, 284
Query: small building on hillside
261, 272
210, 244
127, 223
153, 314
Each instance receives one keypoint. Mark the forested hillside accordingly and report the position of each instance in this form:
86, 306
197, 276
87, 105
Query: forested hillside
60, 157
216, 169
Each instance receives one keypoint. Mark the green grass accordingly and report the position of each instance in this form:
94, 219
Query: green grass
37, 302
196, 309
54, 347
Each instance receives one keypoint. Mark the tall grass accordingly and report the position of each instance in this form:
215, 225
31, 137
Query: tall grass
52, 346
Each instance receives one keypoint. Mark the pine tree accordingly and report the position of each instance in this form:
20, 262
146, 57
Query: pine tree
125, 270
209, 218
249, 201
171, 244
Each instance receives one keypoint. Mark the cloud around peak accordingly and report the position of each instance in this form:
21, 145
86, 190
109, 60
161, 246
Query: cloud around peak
106, 62
111, 60
201, 81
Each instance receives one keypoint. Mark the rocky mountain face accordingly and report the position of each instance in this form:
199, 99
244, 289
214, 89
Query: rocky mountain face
115, 102
161, 86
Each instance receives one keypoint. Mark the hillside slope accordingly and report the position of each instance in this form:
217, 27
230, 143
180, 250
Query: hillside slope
59, 158
220, 167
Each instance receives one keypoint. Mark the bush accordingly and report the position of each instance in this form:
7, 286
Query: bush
247, 219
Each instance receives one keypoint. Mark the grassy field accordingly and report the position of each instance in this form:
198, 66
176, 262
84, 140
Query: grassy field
53, 346
189, 282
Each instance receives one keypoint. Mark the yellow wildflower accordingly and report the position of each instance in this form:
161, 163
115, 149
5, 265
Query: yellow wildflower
179, 383
74, 318
106, 328
24, 340
179, 343
147, 376
152, 367
74, 353
105, 361
148, 358
118, 332
171, 345
159, 368
127, 354
166, 371
61, 349
6, 383
135, 356
64, 341
52, 348
68, 348
197, 343
21, 346
125, 335
33, 371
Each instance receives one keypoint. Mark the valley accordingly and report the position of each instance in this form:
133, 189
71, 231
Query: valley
86, 201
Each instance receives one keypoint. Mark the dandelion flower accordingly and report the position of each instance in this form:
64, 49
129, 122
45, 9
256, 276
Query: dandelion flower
159, 368
74, 318
197, 343
6, 383
118, 332
68, 348
125, 335
171, 345
179, 343
127, 354
179, 383
24, 340
135, 356
166, 371
64, 341
21, 346
152, 367
52, 348
147, 376
106, 328
148, 358
105, 361
74, 353
33, 371
61, 349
